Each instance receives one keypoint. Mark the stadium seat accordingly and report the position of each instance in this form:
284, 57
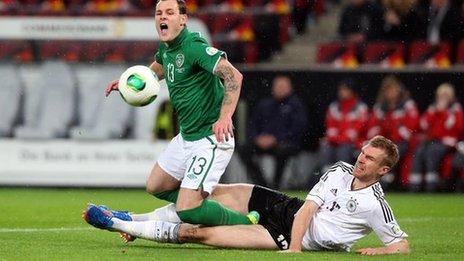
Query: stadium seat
15, 50
10, 97
387, 54
460, 53
437, 55
49, 103
341, 54
100, 117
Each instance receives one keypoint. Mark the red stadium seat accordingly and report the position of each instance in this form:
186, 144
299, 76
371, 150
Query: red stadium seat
438, 55
388, 54
141, 51
460, 53
342, 54
16, 50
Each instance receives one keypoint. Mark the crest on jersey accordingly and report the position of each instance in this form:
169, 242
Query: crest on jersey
351, 205
180, 58
211, 50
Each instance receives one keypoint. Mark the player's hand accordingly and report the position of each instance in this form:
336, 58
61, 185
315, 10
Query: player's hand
223, 129
369, 251
112, 86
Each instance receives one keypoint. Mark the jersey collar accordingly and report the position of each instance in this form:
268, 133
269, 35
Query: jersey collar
179, 39
350, 188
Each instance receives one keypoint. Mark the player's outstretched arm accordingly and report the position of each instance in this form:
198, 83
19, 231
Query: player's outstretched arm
300, 225
232, 79
400, 247
157, 69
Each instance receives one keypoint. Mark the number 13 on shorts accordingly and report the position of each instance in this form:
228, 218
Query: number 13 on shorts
197, 167
206, 164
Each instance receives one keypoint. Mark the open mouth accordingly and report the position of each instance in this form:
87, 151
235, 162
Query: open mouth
163, 28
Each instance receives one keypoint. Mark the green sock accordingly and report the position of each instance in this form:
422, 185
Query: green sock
211, 212
170, 195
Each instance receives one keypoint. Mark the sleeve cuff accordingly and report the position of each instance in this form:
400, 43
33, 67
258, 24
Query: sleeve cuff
319, 201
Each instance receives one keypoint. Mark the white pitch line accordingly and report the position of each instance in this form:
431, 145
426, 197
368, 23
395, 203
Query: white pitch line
39, 230
427, 219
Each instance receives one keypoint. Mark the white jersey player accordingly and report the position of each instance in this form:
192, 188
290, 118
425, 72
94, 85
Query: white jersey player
346, 215
346, 205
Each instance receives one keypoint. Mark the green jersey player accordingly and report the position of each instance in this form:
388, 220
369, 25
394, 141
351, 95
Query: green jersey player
204, 89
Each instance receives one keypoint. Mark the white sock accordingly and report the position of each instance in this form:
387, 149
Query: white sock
159, 231
167, 213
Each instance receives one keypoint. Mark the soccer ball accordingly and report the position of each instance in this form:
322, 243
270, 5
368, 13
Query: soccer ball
138, 85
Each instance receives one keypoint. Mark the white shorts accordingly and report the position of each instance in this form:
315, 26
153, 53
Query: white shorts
198, 164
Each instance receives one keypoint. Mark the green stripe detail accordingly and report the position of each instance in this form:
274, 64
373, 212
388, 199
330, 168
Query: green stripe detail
210, 163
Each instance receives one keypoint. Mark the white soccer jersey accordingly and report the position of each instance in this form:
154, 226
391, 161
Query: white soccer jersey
346, 215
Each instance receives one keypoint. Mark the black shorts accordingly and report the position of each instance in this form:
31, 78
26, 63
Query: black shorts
276, 211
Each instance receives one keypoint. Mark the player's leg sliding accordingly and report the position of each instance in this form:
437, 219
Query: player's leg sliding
166, 213
170, 195
159, 231
212, 213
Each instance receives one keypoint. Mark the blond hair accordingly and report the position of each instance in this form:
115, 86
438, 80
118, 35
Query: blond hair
390, 149
445, 88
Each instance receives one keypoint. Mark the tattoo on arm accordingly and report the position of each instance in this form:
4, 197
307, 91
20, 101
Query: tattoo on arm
230, 83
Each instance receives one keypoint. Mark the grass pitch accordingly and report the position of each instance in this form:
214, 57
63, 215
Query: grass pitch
46, 224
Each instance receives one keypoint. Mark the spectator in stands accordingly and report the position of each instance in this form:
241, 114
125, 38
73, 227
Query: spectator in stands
398, 19
346, 120
300, 12
276, 128
361, 20
394, 116
443, 125
438, 20
8, 6
457, 177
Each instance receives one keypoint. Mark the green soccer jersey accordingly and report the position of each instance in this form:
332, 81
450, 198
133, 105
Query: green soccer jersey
195, 92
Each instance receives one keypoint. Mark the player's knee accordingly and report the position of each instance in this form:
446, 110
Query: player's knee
151, 187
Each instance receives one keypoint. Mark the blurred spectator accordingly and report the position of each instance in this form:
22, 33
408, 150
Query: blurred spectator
442, 124
394, 116
276, 128
345, 122
457, 178
166, 125
361, 20
438, 20
8, 5
301, 9
398, 19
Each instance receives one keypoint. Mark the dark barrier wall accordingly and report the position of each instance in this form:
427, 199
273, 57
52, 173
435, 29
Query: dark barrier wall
318, 88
